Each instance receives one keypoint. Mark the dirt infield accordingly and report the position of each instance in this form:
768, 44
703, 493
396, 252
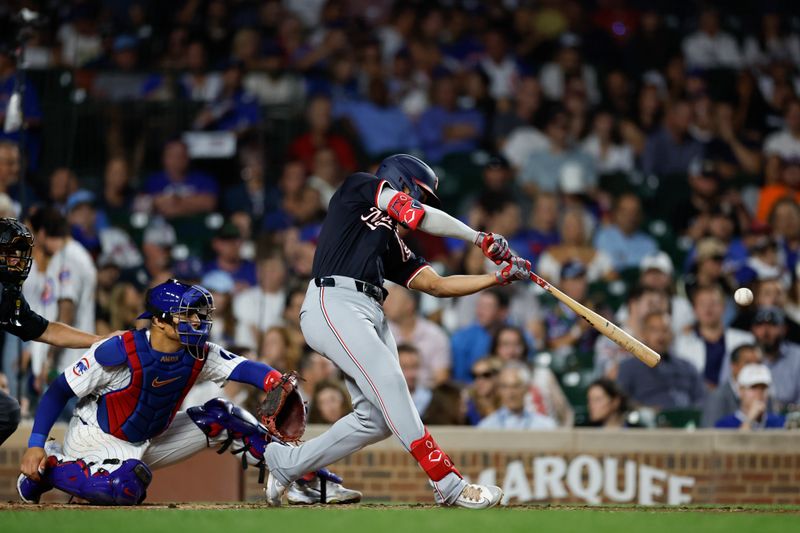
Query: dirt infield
194, 506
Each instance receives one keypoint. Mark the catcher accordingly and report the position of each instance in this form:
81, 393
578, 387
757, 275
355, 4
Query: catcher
126, 421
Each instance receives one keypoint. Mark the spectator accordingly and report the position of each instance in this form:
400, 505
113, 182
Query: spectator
671, 149
80, 41
560, 330
705, 187
568, 64
86, 223
622, 240
278, 349
235, 109
545, 168
227, 244
473, 342
320, 135
710, 47
410, 362
754, 381
656, 272
260, 307
299, 203
329, 404
605, 145
63, 182
447, 406
121, 81
512, 414
221, 285
445, 129
607, 404
641, 301
708, 265
709, 343
526, 104
273, 84
575, 246
482, 394
157, 242
725, 398
674, 383
68, 292
785, 143
117, 198
408, 327
781, 357
9, 176
774, 43
126, 306
378, 114
177, 191
544, 396
498, 64
314, 368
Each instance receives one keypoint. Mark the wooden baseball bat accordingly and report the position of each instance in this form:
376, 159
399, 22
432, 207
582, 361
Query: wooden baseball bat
639, 349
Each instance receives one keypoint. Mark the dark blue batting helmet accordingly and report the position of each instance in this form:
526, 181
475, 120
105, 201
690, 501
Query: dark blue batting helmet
406, 171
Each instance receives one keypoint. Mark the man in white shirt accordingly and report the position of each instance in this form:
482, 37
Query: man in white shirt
709, 47
786, 143
66, 290
258, 308
512, 384
410, 364
408, 327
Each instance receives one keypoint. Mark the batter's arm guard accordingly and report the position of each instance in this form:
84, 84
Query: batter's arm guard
407, 211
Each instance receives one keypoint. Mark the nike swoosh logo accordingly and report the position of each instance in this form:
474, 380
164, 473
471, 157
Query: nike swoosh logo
157, 383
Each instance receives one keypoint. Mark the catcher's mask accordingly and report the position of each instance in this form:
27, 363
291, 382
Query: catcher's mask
16, 243
190, 308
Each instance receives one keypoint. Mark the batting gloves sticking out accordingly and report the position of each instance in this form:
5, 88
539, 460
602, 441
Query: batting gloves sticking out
494, 246
517, 269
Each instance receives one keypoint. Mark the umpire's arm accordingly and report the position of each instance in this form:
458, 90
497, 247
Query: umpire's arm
64, 336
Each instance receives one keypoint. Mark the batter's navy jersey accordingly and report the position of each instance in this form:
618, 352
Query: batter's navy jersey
360, 241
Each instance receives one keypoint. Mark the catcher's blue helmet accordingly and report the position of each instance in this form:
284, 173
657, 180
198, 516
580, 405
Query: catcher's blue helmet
407, 171
192, 305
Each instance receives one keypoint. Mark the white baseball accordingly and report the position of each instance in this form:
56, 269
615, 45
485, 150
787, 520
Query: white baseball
743, 296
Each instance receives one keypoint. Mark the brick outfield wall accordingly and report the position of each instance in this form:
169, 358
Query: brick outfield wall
590, 466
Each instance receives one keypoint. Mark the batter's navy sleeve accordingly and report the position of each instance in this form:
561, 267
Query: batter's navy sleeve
399, 262
9, 416
53, 402
28, 325
252, 373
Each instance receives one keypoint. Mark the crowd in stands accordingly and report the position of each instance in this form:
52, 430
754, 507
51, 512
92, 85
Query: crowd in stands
645, 156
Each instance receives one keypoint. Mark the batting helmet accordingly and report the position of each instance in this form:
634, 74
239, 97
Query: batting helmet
406, 171
192, 305
16, 243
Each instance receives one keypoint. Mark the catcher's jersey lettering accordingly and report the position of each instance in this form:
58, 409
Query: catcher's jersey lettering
360, 241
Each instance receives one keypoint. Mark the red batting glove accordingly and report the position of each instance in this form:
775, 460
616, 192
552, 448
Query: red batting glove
517, 269
494, 246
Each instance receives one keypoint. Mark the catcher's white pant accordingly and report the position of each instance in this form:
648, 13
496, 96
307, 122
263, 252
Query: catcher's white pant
179, 441
349, 328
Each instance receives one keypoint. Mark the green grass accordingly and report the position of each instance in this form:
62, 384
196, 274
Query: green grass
407, 519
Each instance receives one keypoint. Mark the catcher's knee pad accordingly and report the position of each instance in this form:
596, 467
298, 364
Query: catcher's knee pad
432, 458
127, 485
218, 415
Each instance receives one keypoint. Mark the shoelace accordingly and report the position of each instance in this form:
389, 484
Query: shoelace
471, 492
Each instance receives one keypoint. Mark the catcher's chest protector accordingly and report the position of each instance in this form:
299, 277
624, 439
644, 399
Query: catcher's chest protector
159, 383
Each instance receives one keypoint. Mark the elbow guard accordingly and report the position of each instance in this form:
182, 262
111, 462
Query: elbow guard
407, 211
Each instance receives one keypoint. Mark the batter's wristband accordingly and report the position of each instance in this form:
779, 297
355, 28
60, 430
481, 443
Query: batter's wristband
37, 440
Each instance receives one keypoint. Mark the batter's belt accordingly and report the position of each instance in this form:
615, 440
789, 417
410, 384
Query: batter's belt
376, 293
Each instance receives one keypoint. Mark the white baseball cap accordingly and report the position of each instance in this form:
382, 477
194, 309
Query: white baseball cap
754, 374
658, 261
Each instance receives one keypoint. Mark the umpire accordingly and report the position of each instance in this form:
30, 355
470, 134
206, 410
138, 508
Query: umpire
16, 316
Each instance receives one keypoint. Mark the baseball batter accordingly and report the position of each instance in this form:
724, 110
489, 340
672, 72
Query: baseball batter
342, 318
126, 421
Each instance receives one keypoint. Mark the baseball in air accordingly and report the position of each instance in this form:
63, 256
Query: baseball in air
743, 296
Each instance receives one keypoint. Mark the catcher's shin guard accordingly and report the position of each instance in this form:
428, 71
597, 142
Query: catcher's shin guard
432, 458
127, 485
218, 415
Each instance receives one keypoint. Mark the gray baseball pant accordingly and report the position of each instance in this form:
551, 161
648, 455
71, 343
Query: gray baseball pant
349, 328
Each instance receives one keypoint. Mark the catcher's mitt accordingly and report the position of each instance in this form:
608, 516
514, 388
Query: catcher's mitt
283, 411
